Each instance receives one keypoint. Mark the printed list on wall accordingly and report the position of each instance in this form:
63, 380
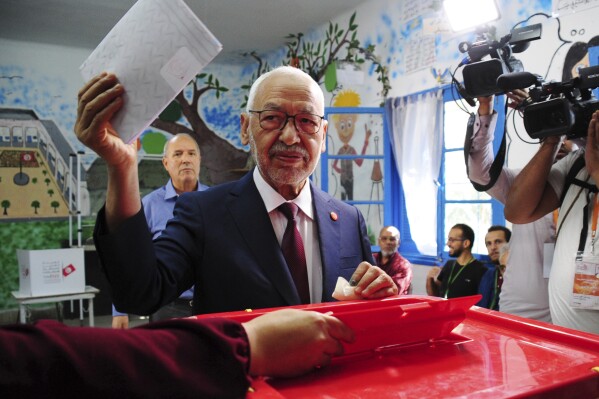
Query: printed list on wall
564, 7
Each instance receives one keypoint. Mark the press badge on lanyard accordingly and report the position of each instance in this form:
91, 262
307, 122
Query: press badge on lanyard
585, 292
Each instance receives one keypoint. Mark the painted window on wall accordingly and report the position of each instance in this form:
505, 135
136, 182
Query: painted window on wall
354, 166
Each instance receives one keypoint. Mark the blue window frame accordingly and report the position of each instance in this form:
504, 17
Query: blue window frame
458, 201
382, 202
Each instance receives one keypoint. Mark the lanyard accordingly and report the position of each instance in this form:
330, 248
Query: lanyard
452, 278
495, 289
585, 224
594, 221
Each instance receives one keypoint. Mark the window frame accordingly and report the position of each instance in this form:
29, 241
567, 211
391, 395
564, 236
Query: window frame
388, 167
497, 215
393, 195
408, 247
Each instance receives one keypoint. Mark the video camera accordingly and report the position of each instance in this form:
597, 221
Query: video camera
480, 77
556, 108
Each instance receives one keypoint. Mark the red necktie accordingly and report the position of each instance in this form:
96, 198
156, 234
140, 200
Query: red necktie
293, 251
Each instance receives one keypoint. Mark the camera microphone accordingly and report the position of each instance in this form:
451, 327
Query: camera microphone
517, 80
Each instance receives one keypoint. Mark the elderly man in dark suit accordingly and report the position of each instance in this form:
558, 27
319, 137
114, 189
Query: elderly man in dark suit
227, 240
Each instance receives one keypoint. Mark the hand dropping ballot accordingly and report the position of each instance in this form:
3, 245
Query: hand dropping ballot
344, 291
155, 50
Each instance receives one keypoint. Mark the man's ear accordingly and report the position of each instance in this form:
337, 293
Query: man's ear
244, 125
468, 244
324, 128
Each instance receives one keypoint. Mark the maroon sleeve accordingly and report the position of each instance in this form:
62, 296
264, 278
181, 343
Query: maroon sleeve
401, 273
175, 358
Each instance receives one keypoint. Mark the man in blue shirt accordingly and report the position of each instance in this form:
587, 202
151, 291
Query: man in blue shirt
490, 285
182, 161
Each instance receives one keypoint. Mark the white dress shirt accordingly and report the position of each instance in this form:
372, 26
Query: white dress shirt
305, 225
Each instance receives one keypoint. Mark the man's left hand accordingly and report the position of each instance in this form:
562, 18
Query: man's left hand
371, 282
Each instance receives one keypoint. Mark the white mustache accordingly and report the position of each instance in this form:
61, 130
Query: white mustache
282, 147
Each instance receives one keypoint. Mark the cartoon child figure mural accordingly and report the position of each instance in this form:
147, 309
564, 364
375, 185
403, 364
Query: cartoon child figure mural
345, 125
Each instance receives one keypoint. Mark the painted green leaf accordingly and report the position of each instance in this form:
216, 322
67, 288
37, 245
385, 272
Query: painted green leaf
172, 112
330, 77
153, 142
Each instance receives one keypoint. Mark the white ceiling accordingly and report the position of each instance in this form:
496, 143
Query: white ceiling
240, 25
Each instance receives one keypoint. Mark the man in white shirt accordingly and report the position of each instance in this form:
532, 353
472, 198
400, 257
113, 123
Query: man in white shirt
524, 291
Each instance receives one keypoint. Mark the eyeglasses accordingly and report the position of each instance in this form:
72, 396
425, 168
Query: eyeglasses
392, 239
277, 120
452, 240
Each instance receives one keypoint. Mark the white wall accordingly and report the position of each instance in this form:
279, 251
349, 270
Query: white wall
419, 279
44, 78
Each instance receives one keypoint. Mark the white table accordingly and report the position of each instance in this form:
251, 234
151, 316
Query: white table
89, 294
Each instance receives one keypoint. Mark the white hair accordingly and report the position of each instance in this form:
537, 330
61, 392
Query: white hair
285, 69
392, 229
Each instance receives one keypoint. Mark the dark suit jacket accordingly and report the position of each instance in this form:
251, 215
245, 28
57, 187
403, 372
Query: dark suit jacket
222, 240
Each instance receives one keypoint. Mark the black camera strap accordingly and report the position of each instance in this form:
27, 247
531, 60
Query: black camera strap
497, 164
570, 180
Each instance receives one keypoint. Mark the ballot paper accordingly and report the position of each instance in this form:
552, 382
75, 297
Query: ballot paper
344, 291
155, 50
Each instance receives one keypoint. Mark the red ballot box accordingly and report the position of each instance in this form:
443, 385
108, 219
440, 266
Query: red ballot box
424, 347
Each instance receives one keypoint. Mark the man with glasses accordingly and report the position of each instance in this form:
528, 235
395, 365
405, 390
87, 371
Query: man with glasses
388, 259
459, 277
232, 240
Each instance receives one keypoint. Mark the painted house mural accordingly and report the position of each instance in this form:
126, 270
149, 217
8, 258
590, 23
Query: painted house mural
38, 178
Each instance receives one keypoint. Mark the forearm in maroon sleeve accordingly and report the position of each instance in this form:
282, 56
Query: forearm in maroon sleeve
176, 358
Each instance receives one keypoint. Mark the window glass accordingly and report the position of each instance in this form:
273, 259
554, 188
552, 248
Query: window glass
462, 203
454, 125
477, 216
457, 185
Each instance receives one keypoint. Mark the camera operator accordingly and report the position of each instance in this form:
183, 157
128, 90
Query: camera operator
524, 290
537, 191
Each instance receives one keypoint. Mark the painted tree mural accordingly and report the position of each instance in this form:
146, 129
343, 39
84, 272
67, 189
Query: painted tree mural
320, 60
219, 157
221, 160
5, 205
35, 205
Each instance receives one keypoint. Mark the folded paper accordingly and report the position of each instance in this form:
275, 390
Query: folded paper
155, 50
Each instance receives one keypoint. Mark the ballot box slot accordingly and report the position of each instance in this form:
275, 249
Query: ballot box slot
381, 352
392, 323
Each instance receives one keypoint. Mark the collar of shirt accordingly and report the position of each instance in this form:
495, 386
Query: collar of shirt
170, 191
273, 199
305, 224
